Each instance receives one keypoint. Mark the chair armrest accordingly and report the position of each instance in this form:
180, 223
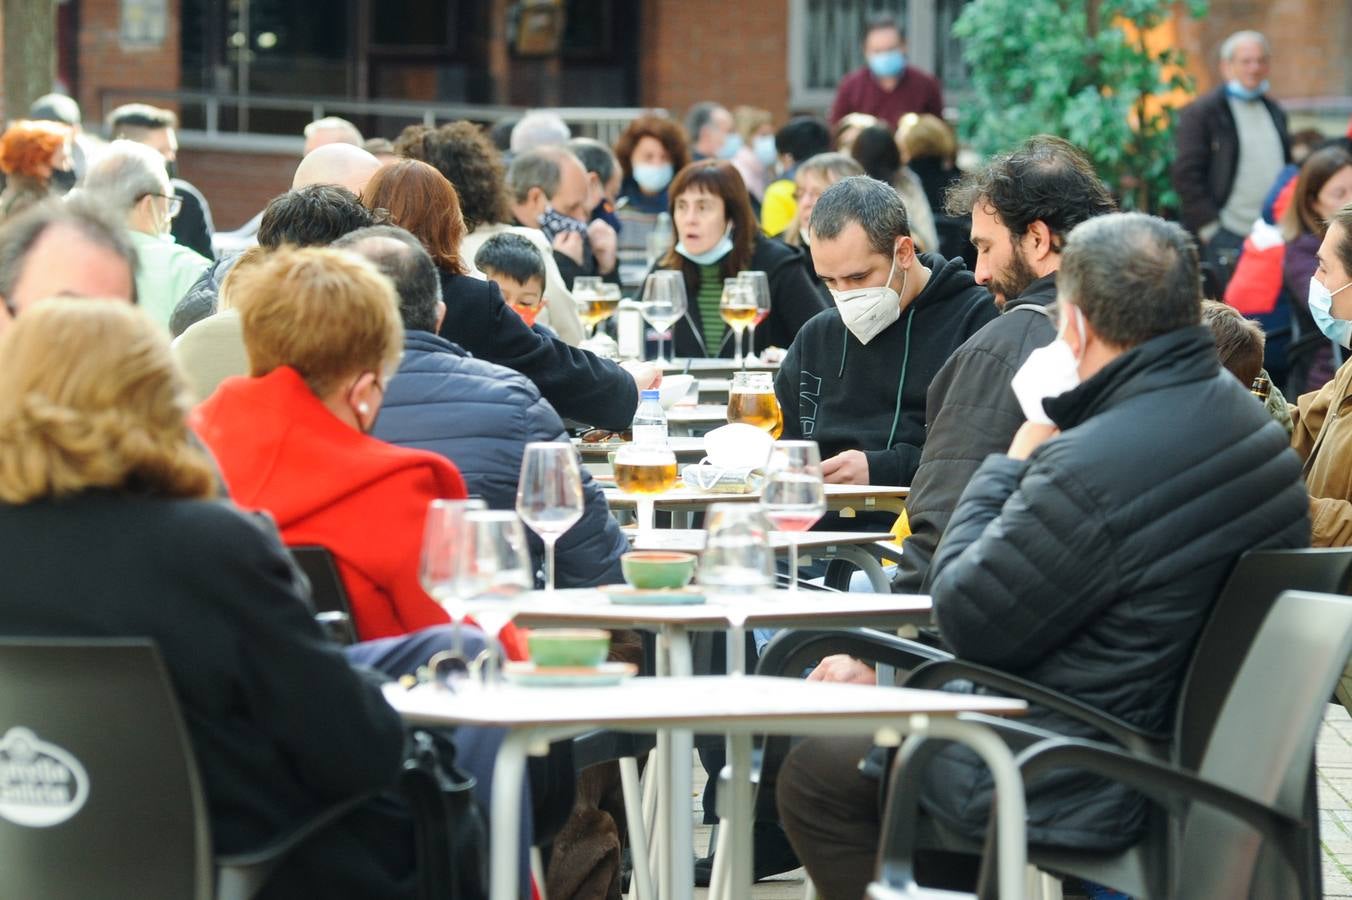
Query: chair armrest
790, 652
936, 674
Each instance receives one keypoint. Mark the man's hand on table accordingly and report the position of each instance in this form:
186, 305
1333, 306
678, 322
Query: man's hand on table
846, 467
843, 669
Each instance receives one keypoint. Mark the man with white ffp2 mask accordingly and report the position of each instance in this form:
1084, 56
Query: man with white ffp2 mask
855, 377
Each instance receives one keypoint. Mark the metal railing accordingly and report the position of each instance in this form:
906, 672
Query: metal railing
605, 124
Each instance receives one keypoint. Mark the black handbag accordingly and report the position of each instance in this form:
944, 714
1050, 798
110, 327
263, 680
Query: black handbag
452, 842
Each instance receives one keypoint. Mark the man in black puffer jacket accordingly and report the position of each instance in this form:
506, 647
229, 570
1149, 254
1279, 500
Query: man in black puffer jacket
1087, 557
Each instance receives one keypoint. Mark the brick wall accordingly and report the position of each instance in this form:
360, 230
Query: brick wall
237, 184
732, 51
104, 63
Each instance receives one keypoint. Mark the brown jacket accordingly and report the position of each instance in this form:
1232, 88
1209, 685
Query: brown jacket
1323, 438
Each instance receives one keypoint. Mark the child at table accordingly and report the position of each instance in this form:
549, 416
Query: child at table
516, 266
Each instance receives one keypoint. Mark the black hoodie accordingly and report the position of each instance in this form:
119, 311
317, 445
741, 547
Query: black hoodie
848, 396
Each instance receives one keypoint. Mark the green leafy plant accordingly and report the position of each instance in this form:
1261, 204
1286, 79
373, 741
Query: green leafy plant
1081, 69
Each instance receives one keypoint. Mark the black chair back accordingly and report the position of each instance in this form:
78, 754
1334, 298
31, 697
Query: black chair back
99, 791
327, 593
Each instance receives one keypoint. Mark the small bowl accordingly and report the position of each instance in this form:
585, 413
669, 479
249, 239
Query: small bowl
657, 569
673, 388
574, 647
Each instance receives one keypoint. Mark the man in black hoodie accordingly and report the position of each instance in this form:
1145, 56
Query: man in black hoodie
854, 379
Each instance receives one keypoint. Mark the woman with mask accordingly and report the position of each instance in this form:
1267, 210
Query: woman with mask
715, 237
651, 151
755, 159
1323, 434
31, 152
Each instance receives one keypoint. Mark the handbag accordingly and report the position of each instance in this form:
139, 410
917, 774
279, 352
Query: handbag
452, 842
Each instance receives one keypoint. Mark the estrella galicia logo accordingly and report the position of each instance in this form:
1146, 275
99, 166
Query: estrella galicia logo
809, 396
40, 784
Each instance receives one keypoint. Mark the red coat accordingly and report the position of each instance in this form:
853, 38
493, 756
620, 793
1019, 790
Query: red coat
280, 449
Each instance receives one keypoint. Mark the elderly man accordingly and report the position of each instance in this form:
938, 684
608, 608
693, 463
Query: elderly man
887, 86
713, 133
538, 128
1232, 143
157, 128
550, 191
132, 180
340, 164
603, 178
330, 130
1088, 555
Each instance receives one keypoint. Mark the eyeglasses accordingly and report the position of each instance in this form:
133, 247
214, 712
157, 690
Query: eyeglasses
175, 203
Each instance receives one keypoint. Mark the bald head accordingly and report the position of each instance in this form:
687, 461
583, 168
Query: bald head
341, 164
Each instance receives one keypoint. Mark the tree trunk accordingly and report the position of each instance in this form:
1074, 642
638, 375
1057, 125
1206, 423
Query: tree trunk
30, 53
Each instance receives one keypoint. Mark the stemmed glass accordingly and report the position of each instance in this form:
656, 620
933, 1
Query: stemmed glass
439, 568
738, 309
737, 559
494, 567
594, 302
662, 306
794, 496
645, 470
549, 495
759, 285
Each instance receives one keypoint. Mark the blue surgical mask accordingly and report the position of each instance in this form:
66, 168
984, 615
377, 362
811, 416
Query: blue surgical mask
888, 64
731, 144
1234, 89
653, 178
1321, 310
764, 148
710, 256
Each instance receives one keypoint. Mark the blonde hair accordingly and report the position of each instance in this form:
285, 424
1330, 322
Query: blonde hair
90, 398
749, 119
922, 135
328, 314
245, 261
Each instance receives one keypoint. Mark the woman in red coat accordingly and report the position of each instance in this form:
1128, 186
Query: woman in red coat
323, 335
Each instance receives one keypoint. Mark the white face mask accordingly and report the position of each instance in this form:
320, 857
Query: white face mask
868, 312
1049, 371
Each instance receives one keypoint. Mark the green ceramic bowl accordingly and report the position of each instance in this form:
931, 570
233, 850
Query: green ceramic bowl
657, 569
572, 647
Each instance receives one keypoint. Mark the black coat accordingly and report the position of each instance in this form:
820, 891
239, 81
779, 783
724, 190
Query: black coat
1091, 566
578, 384
1207, 144
970, 413
794, 298
281, 725
192, 227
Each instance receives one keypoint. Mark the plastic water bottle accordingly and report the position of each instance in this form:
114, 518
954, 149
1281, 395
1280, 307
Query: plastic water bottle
650, 420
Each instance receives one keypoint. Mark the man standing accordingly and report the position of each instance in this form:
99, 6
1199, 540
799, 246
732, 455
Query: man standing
887, 87
855, 377
1232, 143
1023, 206
1087, 557
713, 133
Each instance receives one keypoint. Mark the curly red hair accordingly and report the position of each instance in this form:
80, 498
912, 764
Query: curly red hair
27, 147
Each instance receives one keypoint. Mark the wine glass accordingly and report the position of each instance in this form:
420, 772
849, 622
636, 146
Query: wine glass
794, 496
752, 400
738, 309
439, 567
549, 495
494, 567
645, 470
591, 304
737, 560
663, 304
759, 285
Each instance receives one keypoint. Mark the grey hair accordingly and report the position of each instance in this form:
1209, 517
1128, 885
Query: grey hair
539, 128
1230, 44
541, 167
401, 258
93, 221
125, 172
55, 108
351, 134
874, 205
699, 116
1134, 276
595, 157
831, 167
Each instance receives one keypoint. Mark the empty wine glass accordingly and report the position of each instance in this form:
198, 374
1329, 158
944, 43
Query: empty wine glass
758, 283
644, 470
549, 495
738, 309
663, 304
794, 496
739, 561
495, 567
439, 567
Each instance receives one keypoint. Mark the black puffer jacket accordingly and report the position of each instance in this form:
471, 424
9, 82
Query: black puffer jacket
970, 413
1090, 567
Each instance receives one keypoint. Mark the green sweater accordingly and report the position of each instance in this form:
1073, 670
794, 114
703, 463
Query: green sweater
708, 300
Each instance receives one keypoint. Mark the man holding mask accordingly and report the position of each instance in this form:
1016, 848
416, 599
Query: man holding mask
855, 378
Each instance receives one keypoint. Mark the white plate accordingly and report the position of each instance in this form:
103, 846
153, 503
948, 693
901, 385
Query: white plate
528, 674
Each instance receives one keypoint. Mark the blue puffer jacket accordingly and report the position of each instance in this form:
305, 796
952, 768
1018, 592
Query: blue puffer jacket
480, 416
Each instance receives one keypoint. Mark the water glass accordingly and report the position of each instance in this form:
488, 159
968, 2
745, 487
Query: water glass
739, 561
439, 566
663, 304
549, 495
794, 496
495, 567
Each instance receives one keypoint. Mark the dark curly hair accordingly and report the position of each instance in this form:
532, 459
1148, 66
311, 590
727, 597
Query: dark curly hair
470, 162
313, 216
661, 129
1045, 179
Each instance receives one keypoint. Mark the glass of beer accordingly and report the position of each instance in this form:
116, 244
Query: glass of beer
738, 309
751, 399
645, 470
596, 301
759, 285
